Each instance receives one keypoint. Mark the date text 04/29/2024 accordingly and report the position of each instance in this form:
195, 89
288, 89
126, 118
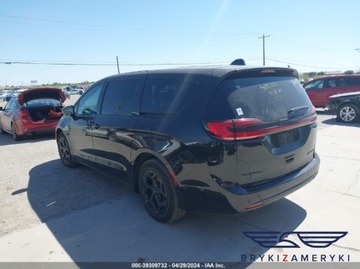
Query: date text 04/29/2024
177, 265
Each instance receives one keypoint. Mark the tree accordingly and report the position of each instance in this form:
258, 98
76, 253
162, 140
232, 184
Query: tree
349, 72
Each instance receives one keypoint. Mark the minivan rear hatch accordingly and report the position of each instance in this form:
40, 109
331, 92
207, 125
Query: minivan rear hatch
271, 120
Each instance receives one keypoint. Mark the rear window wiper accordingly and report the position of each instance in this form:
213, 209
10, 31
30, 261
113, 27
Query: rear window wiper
298, 111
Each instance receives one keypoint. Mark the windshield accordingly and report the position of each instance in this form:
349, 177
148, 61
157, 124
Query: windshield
269, 99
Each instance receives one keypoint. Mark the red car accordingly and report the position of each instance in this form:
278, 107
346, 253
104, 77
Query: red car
36, 110
319, 90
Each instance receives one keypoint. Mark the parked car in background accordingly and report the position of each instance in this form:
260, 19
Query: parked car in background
73, 90
36, 110
319, 90
346, 106
66, 93
7, 96
221, 140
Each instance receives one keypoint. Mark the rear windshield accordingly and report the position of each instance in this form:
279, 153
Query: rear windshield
269, 99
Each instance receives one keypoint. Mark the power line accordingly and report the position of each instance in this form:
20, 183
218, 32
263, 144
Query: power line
54, 63
66, 24
304, 65
105, 64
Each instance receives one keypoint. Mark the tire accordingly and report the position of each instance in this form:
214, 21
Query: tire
65, 151
348, 113
14, 133
158, 193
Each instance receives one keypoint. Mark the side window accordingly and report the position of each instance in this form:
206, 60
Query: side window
88, 104
9, 105
122, 97
353, 82
167, 96
342, 82
330, 83
318, 84
13, 104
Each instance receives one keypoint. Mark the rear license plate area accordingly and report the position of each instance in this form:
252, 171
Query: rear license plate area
284, 138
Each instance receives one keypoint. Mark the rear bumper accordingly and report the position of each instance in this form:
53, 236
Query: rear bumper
27, 128
235, 199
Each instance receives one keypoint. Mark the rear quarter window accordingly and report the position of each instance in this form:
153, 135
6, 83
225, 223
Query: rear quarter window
353, 82
167, 95
122, 97
268, 99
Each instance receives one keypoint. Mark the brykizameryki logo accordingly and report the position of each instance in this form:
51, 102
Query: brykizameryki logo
313, 239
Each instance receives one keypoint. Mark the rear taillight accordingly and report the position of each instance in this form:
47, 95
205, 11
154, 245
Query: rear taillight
227, 129
230, 129
23, 113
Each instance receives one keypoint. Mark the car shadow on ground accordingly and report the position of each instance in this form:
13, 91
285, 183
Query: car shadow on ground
115, 227
7, 139
334, 121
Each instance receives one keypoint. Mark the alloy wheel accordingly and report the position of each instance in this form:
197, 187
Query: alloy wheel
158, 192
154, 192
64, 151
347, 113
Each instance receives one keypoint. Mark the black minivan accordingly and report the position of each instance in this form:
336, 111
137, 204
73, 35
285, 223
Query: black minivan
211, 139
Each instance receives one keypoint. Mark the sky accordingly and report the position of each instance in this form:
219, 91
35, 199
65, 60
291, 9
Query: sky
71, 41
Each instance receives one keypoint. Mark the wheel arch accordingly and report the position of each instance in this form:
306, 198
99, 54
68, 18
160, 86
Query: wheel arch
140, 160
348, 101
57, 132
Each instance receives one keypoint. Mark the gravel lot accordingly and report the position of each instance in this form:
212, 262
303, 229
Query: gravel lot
35, 186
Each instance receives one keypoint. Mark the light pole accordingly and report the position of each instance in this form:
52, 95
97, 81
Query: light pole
117, 63
358, 50
263, 38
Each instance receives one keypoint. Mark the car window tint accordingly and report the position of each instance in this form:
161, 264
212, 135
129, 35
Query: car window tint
353, 82
12, 104
268, 99
8, 104
331, 83
341, 82
122, 97
167, 96
318, 84
88, 104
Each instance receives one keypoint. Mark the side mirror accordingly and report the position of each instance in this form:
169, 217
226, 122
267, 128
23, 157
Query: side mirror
1, 108
69, 110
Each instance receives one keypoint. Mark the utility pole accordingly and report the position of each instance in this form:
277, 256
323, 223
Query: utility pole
263, 38
117, 63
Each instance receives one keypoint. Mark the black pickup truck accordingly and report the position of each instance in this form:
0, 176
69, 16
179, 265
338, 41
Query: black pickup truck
346, 106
